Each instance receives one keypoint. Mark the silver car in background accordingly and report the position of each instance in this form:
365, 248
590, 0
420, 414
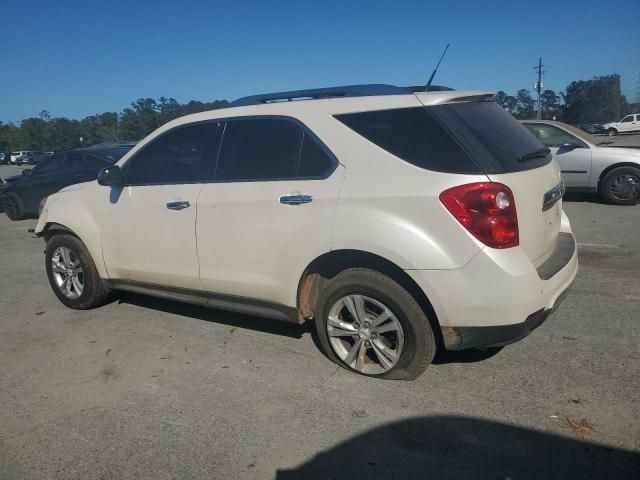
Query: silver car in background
589, 164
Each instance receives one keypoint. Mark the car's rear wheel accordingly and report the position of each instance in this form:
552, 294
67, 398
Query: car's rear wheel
621, 186
612, 132
72, 274
13, 206
368, 323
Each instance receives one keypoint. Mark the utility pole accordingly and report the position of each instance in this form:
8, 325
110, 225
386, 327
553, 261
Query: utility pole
538, 86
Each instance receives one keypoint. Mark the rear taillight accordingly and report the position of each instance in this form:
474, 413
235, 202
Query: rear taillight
487, 210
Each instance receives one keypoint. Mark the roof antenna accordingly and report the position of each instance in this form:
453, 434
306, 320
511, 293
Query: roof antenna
426, 89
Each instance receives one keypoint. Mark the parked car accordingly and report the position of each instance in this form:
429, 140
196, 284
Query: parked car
20, 197
15, 156
589, 164
629, 124
25, 159
593, 129
4, 158
396, 220
35, 158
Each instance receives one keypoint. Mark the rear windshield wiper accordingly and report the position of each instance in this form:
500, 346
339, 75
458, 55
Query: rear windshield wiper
539, 153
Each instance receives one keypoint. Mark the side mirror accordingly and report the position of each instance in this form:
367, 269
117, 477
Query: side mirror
27, 172
570, 146
111, 177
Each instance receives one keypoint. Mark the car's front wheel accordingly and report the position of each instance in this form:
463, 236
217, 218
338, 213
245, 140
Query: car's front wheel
72, 274
621, 186
612, 132
368, 323
13, 206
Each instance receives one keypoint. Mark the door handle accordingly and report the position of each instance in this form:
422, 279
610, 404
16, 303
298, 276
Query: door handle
296, 199
181, 205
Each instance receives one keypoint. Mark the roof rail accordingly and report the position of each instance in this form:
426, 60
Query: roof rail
371, 89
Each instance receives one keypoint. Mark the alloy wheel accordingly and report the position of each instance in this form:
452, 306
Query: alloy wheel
365, 334
67, 272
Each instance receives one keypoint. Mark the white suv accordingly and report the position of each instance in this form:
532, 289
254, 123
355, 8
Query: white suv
397, 221
629, 124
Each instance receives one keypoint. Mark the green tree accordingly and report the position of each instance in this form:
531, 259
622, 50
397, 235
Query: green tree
525, 105
551, 104
507, 102
598, 100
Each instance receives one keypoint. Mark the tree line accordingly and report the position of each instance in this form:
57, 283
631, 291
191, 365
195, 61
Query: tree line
142, 117
598, 100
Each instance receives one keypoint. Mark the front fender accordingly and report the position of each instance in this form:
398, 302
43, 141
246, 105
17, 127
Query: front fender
67, 210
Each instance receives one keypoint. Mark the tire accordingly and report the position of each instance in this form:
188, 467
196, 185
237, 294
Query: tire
621, 186
612, 132
78, 261
406, 332
13, 206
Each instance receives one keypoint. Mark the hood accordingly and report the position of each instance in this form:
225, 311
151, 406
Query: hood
13, 178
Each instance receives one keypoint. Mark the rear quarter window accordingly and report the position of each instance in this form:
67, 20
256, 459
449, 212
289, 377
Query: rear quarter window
464, 137
414, 135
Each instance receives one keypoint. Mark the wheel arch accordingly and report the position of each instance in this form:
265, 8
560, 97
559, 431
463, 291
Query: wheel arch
93, 244
328, 265
610, 168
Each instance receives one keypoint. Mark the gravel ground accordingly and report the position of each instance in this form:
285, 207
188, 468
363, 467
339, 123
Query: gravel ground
143, 388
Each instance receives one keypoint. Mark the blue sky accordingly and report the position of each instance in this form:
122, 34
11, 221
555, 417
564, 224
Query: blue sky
78, 58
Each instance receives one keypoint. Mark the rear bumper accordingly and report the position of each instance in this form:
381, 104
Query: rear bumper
462, 338
499, 297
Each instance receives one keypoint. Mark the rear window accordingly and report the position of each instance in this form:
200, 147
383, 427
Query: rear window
465, 137
414, 135
497, 141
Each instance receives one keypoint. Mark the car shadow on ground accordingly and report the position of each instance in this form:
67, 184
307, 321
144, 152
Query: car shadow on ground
582, 197
232, 319
273, 327
443, 447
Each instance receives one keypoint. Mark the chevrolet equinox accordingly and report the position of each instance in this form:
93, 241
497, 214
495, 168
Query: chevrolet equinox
398, 221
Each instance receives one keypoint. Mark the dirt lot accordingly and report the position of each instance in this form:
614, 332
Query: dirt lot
147, 389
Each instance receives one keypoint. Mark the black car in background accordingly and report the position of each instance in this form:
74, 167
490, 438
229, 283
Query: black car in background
36, 158
593, 129
21, 198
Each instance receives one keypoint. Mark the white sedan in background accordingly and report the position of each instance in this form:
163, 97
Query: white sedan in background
589, 164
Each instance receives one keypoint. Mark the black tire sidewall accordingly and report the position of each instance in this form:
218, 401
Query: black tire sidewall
19, 214
94, 292
604, 187
420, 345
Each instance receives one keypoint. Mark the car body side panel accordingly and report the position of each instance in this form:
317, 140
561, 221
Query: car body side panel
604, 157
73, 210
392, 208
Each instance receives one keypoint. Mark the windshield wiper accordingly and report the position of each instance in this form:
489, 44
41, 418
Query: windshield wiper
609, 142
539, 153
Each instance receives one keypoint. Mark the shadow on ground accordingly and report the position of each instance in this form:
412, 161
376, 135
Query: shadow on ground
274, 327
459, 447
582, 197
259, 324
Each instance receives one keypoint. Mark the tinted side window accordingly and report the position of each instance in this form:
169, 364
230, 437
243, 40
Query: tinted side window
628, 118
184, 155
259, 149
50, 165
413, 135
74, 161
314, 161
95, 163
